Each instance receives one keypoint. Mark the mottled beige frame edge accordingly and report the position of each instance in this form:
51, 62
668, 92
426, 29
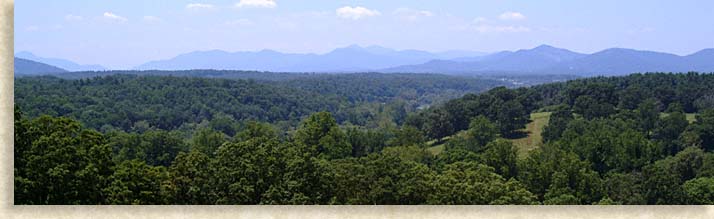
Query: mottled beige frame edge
8, 210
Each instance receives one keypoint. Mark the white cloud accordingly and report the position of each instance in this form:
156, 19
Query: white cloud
149, 18
199, 6
256, 4
355, 13
501, 29
511, 16
71, 17
409, 14
112, 16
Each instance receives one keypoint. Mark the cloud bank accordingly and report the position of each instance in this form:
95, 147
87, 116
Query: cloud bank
355, 13
511, 16
112, 16
256, 4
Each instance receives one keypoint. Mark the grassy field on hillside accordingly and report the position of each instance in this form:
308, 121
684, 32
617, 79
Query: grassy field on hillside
436, 149
534, 130
531, 141
691, 117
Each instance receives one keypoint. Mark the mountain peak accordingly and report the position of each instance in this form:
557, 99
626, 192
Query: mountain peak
24, 54
57, 62
212, 51
544, 47
702, 52
631, 52
618, 49
30, 67
353, 46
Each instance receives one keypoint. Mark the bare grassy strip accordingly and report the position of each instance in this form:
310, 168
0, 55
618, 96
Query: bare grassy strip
534, 129
533, 140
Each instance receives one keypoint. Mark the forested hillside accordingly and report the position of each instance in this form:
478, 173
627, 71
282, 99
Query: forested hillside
421, 89
129, 102
590, 98
173, 140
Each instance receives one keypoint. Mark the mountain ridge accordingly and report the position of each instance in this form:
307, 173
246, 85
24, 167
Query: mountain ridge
542, 59
58, 62
345, 59
546, 59
29, 67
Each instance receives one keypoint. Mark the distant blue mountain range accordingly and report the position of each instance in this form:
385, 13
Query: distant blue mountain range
349, 59
543, 59
29, 67
546, 59
61, 63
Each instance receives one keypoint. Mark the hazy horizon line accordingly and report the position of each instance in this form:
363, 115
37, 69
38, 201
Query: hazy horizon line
485, 53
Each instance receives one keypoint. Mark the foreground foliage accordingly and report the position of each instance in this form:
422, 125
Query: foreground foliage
634, 151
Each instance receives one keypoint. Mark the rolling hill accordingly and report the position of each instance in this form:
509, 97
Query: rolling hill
29, 67
61, 63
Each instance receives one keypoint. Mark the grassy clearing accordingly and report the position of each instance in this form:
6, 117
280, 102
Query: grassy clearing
534, 130
435, 150
691, 117
436, 147
525, 144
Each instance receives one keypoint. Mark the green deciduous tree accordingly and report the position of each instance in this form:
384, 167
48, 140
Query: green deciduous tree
668, 130
625, 188
664, 178
189, 179
244, 170
58, 162
207, 141
699, 191
557, 124
502, 155
482, 131
551, 173
704, 127
473, 183
321, 132
408, 135
136, 183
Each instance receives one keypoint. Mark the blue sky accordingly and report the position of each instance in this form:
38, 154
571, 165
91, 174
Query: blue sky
122, 34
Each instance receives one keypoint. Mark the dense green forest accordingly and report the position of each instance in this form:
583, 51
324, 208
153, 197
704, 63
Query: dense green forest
362, 139
131, 102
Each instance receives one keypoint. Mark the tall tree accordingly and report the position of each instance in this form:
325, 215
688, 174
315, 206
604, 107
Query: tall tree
136, 183
704, 127
59, 162
502, 155
321, 132
189, 179
557, 123
207, 141
482, 130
